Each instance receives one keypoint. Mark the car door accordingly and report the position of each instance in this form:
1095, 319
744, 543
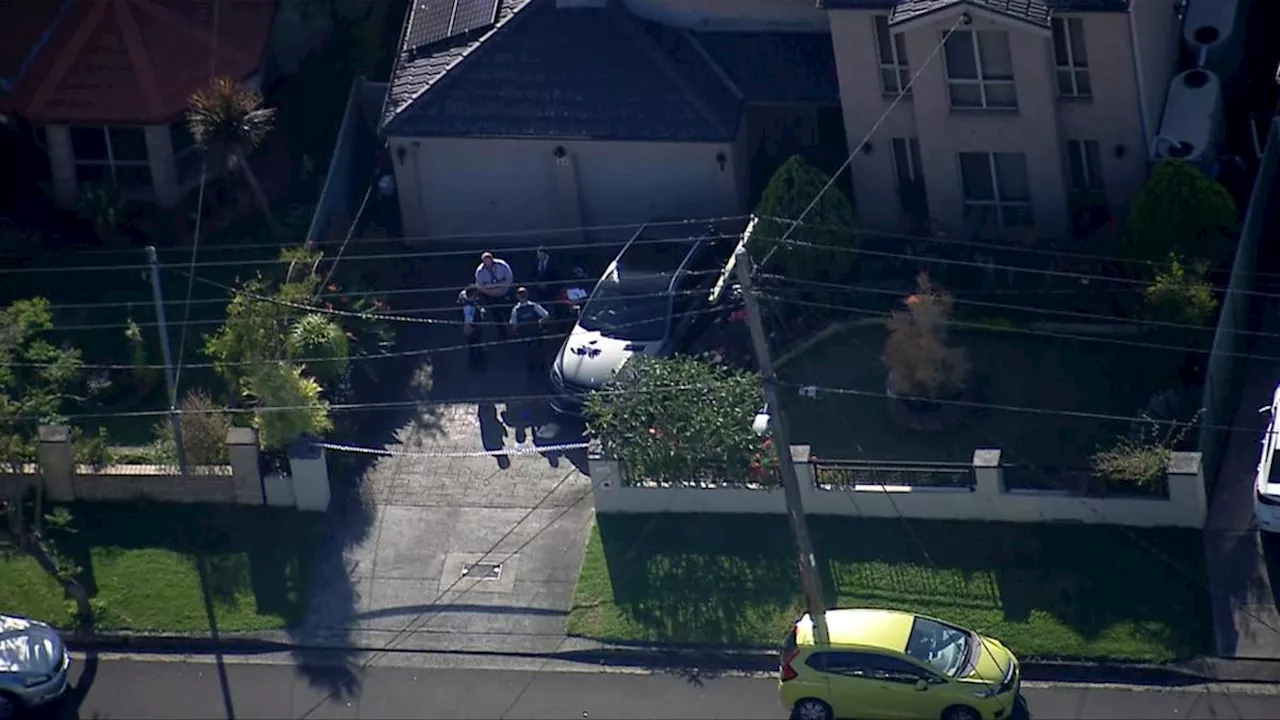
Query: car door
855, 690
905, 696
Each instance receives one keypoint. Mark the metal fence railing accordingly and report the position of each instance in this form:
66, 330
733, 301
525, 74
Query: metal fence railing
850, 473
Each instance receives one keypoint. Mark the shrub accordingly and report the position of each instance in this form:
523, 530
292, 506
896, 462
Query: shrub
920, 362
1179, 209
320, 345
1182, 293
204, 431
1141, 460
681, 420
289, 405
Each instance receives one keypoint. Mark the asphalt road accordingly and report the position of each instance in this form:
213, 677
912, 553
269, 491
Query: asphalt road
133, 688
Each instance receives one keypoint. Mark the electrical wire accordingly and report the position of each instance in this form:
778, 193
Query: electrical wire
1030, 331
1023, 308
195, 235
902, 93
475, 251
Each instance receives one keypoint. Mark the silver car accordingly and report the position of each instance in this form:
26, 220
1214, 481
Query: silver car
33, 665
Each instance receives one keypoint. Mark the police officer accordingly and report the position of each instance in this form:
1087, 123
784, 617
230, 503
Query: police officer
528, 318
472, 313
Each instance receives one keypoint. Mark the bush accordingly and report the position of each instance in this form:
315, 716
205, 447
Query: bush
289, 405
1179, 209
1182, 293
1140, 461
920, 362
204, 431
681, 420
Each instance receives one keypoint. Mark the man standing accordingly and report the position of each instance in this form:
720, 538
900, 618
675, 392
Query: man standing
528, 319
493, 280
472, 312
545, 276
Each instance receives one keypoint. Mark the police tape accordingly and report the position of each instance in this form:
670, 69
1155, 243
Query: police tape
518, 450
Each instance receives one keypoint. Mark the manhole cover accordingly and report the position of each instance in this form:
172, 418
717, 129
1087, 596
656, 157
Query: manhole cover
482, 571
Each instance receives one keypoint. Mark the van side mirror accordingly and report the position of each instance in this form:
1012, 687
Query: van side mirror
922, 685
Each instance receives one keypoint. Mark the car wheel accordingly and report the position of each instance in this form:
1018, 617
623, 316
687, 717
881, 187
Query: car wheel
811, 709
960, 712
8, 707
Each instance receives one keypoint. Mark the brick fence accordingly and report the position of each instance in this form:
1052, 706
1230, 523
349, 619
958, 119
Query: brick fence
987, 498
238, 483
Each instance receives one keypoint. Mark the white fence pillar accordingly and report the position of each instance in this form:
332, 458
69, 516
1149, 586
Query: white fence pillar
310, 475
988, 477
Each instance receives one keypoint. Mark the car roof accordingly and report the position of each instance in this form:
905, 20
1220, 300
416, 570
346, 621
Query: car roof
862, 627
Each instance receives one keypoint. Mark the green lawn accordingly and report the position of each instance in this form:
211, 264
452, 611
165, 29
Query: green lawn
1061, 591
1009, 369
161, 567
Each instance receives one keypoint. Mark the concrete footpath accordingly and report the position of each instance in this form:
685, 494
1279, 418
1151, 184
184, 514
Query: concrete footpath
120, 688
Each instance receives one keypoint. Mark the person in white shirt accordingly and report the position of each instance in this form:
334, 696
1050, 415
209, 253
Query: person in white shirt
528, 318
493, 280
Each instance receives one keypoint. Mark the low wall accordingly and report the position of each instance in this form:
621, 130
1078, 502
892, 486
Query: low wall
986, 500
156, 483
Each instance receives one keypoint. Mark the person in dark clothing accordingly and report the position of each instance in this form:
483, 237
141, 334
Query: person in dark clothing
528, 320
546, 275
472, 315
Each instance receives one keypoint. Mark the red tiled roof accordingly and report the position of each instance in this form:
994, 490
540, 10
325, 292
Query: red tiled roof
137, 61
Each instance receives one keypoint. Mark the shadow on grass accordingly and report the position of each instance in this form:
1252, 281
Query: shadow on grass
1047, 590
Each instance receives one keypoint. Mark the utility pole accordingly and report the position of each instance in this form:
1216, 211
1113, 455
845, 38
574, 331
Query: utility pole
810, 580
169, 379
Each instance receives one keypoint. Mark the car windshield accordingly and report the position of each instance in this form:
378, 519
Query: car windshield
942, 647
634, 309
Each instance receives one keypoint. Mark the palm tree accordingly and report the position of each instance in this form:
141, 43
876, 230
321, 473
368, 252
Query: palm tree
227, 120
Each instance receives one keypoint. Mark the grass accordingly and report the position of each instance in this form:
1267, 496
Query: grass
163, 567
1008, 370
1048, 591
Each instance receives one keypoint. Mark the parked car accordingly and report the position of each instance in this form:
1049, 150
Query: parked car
1266, 494
891, 664
33, 665
650, 299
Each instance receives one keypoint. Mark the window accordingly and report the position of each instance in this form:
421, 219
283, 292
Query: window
1084, 159
115, 155
996, 193
895, 74
1071, 59
884, 667
910, 173
980, 70
945, 648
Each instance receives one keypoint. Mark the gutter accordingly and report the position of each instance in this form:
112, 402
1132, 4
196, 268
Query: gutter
1148, 135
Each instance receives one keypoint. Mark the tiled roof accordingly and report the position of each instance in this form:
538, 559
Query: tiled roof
134, 61
776, 67
548, 72
1035, 12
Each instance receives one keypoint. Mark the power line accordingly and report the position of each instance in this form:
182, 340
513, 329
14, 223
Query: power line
353, 358
1023, 308
1041, 333
412, 255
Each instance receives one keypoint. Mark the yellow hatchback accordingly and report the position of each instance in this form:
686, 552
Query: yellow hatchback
882, 664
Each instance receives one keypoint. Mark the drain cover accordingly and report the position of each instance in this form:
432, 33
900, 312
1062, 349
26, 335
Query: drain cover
482, 571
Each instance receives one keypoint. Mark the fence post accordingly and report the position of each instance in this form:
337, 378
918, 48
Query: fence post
988, 476
57, 460
310, 475
246, 471
1187, 488
802, 458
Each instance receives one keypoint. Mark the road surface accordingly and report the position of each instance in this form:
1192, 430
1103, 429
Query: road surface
186, 688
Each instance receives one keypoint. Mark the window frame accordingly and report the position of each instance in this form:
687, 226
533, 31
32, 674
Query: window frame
998, 202
897, 67
111, 163
914, 162
982, 81
1061, 27
1085, 152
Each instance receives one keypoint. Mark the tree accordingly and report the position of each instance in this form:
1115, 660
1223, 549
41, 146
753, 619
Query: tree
682, 420
1181, 293
829, 224
1182, 211
36, 377
228, 121
289, 404
920, 362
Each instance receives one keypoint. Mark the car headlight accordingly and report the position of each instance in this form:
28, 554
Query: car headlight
986, 693
36, 680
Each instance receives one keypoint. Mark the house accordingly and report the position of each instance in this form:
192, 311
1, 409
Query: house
1030, 108
104, 84
539, 115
